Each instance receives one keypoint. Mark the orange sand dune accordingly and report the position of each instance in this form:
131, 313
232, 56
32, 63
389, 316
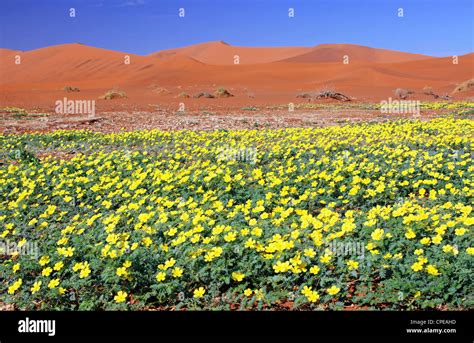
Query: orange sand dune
356, 53
221, 53
68, 63
8, 52
371, 75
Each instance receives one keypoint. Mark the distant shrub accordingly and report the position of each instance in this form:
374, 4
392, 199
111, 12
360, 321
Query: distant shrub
304, 95
204, 95
15, 111
465, 86
428, 91
403, 93
113, 94
249, 108
183, 95
222, 93
71, 89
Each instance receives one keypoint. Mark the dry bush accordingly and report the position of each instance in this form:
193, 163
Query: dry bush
222, 93
403, 93
113, 94
304, 95
159, 90
71, 89
427, 90
329, 92
183, 95
465, 86
204, 95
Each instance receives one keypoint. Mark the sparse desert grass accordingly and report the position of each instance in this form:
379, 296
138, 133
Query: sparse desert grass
403, 93
183, 95
249, 108
159, 90
465, 86
221, 92
429, 91
14, 110
71, 89
113, 94
204, 95
21, 113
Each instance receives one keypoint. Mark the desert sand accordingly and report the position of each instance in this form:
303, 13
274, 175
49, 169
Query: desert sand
264, 76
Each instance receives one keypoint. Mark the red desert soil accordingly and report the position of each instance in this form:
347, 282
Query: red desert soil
266, 76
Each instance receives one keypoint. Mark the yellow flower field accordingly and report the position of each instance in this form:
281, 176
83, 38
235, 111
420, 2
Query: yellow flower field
376, 215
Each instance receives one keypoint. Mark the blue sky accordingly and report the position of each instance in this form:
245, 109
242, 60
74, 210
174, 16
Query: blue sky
433, 27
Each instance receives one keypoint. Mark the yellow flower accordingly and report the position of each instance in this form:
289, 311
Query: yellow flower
309, 252
44, 260
199, 292
122, 271
147, 241
460, 231
161, 276
417, 266
333, 290
14, 287
430, 269
306, 290
470, 251
311, 295
177, 272
21, 243
352, 264
67, 252
448, 248
53, 283
418, 251
410, 234
16, 267
325, 258
231, 236
314, 270
85, 272
47, 271
238, 276
437, 239
58, 266
281, 267
77, 266
377, 234
36, 287
248, 292
422, 259
120, 297
169, 263
425, 240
